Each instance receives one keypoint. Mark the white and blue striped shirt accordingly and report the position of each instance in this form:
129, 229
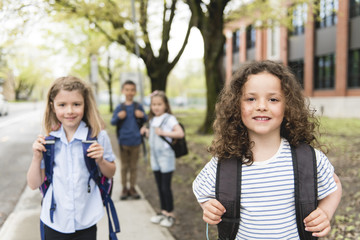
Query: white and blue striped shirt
267, 194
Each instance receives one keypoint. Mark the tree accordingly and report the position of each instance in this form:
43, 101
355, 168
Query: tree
209, 18
27, 77
108, 73
116, 23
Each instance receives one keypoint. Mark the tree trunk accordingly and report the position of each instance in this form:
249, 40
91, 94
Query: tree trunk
111, 109
158, 74
211, 28
214, 82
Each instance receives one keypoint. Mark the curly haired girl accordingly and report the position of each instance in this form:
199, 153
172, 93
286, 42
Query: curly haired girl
258, 117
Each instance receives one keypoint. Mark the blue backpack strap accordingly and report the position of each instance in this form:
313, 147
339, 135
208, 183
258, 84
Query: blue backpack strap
227, 171
305, 176
49, 160
96, 175
89, 162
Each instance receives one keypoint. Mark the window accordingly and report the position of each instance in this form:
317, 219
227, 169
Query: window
327, 13
236, 41
297, 67
354, 8
250, 37
354, 69
299, 17
325, 72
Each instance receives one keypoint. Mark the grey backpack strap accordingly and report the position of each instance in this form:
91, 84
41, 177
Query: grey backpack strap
305, 176
228, 192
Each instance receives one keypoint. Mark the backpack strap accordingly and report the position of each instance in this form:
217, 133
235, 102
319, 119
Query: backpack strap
162, 137
96, 175
305, 176
227, 171
89, 162
305, 180
49, 159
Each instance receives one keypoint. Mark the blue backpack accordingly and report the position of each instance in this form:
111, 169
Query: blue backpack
105, 184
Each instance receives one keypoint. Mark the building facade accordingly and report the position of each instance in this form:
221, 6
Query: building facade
323, 51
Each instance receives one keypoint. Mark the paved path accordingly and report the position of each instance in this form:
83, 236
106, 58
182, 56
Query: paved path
134, 215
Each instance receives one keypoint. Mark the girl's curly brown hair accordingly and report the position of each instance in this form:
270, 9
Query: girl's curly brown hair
231, 135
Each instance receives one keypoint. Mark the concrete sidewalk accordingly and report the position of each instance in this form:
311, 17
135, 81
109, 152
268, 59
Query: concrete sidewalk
134, 217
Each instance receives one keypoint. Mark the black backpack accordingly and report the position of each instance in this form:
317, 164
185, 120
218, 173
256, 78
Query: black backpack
140, 121
177, 144
228, 178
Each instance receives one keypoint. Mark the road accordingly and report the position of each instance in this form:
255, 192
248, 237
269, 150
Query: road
17, 132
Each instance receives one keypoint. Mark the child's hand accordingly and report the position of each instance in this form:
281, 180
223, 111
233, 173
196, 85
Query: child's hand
139, 113
144, 130
159, 131
96, 151
38, 147
318, 223
212, 211
122, 114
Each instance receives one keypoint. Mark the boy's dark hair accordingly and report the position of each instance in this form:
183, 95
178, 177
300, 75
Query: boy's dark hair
231, 135
128, 82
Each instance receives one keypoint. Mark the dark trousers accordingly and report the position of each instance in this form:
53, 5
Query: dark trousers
163, 182
85, 234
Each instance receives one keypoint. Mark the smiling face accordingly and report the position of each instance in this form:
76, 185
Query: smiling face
158, 106
262, 105
129, 90
69, 109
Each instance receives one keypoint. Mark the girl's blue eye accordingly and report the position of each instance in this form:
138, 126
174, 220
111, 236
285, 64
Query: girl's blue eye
251, 99
273, 100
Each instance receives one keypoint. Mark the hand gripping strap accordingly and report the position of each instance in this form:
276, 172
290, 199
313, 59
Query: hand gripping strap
104, 187
305, 175
228, 178
49, 158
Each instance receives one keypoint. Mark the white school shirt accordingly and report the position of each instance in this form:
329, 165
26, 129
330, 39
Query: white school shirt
267, 194
76, 209
167, 123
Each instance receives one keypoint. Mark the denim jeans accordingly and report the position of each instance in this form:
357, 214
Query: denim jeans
162, 157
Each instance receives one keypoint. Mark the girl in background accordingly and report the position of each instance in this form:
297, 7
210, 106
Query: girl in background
70, 113
162, 157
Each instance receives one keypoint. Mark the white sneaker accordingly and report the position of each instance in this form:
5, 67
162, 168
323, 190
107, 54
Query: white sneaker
167, 221
158, 218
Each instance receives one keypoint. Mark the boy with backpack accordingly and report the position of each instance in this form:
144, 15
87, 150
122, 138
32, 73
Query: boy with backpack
129, 117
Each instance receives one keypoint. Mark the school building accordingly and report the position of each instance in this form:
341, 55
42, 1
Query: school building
323, 51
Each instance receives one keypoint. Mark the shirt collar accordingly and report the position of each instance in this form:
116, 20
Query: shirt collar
80, 134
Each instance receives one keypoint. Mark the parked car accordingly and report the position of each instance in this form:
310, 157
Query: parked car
4, 106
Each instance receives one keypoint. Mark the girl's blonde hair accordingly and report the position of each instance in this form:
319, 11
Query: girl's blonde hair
231, 135
91, 116
158, 93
